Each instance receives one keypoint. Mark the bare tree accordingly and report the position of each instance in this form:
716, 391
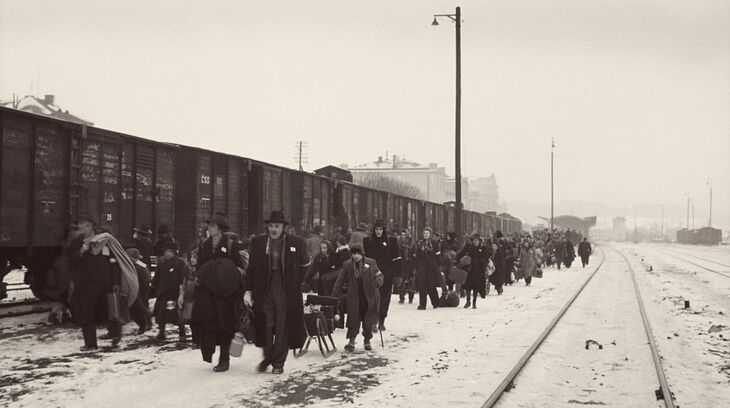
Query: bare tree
389, 184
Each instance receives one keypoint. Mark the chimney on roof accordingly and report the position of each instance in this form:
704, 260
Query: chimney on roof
395, 161
380, 159
49, 99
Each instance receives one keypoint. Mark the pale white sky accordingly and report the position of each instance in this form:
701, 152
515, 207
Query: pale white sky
636, 93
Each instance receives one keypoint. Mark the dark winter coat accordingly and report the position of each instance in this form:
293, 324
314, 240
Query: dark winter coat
323, 269
163, 242
93, 276
477, 275
501, 272
584, 249
384, 250
166, 283
295, 260
428, 274
372, 280
214, 310
144, 278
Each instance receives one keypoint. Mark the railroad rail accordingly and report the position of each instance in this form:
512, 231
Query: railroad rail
703, 259
506, 384
726, 275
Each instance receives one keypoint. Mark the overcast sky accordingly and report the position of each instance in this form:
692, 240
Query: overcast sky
636, 93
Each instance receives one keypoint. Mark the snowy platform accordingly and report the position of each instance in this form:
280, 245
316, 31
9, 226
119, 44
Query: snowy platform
432, 358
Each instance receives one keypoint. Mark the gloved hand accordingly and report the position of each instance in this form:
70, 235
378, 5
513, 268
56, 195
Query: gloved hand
305, 287
248, 298
115, 288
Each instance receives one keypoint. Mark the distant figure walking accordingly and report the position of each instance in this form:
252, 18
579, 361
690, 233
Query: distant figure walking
584, 251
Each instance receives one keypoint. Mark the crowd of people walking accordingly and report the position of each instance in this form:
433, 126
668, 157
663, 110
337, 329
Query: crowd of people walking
255, 286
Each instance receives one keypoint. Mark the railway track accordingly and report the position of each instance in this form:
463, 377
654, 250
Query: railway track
683, 259
662, 393
702, 259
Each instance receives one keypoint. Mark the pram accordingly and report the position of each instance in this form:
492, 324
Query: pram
321, 317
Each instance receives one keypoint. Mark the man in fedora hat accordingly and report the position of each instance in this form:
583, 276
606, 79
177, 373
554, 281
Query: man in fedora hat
278, 262
384, 250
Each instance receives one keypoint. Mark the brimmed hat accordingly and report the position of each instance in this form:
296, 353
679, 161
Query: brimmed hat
85, 216
379, 223
362, 226
475, 236
220, 219
142, 229
276, 217
356, 248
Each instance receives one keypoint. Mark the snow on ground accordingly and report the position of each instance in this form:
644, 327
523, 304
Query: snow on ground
695, 342
432, 358
615, 368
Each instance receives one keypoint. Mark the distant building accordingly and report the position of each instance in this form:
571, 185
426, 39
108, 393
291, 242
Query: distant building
483, 194
619, 223
431, 179
450, 192
45, 106
335, 173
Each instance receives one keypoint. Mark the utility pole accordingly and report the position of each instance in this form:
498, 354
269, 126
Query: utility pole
687, 212
693, 214
300, 157
552, 185
709, 221
456, 18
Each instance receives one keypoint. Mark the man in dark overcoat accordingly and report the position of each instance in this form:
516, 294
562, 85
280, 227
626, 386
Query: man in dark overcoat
140, 309
95, 273
383, 248
278, 262
584, 250
364, 281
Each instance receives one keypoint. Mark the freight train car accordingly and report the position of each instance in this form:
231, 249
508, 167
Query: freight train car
51, 170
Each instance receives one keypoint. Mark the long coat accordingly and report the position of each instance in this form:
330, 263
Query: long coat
528, 263
295, 262
500, 268
93, 275
476, 279
584, 249
372, 280
384, 250
428, 275
212, 311
166, 283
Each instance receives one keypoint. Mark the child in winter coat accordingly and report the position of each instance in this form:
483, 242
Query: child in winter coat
166, 288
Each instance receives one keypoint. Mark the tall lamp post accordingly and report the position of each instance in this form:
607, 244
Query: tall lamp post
709, 221
552, 196
457, 19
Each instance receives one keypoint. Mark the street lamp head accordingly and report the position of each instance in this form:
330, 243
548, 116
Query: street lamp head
435, 22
